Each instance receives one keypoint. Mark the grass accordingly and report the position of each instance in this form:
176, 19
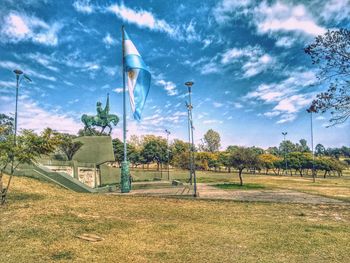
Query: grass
41, 221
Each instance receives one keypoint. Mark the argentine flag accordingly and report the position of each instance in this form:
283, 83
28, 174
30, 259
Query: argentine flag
138, 77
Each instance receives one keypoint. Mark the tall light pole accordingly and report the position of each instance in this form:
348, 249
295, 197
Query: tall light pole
167, 149
285, 150
311, 110
190, 179
189, 85
19, 77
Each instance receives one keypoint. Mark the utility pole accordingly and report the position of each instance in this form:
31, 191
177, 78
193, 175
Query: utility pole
168, 151
189, 85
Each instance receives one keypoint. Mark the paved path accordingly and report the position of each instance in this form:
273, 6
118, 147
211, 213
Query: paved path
207, 191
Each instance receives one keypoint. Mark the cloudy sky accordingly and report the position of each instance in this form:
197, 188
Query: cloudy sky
252, 78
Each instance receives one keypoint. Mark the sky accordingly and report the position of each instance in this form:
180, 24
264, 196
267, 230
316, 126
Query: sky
252, 79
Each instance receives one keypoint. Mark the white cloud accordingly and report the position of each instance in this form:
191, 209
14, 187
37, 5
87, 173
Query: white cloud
83, 6
212, 122
217, 104
207, 42
31, 73
225, 10
253, 59
285, 96
237, 105
272, 113
234, 54
286, 118
142, 18
109, 40
209, 68
293, 103
32, 116
42, 59
118, 90
169, 86
281, 17
7, 84
18, 27
285, 42
335, 10
111, 71
320, 118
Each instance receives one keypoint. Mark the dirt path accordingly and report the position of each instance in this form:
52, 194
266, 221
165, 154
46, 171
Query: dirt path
209, 192
280, 196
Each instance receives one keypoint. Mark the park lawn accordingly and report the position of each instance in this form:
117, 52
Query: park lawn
41, 221
333, 187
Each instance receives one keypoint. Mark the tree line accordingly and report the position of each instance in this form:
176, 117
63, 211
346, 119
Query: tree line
288, 158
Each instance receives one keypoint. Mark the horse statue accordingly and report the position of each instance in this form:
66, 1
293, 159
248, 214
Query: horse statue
103, 119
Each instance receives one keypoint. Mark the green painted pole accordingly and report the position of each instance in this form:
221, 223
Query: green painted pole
125, 173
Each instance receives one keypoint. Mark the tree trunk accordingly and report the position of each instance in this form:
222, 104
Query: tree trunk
301, 172
1, 189
240, 177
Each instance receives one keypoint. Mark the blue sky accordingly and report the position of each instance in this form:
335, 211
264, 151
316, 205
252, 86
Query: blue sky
252, 78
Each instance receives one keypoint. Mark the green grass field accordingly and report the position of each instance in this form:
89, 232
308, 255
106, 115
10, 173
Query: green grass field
41, 223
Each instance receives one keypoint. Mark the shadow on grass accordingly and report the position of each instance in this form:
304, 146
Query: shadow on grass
20, 196
229, 186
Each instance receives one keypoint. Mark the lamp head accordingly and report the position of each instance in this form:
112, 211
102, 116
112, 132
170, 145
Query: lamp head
18, 72
189, 83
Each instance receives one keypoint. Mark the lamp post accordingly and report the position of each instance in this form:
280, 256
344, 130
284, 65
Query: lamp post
285, 150
167, 149
311, 110
19, 76
189, 85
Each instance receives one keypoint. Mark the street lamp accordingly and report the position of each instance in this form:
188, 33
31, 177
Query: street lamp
189, 85
19, 77
311, 110
167, 148
285, 150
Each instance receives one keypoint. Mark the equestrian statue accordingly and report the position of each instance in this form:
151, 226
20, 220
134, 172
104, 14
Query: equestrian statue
103, 119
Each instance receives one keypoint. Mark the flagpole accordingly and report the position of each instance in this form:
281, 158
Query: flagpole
125, 176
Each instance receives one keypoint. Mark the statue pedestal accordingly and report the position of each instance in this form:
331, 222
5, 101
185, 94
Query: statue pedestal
95, 153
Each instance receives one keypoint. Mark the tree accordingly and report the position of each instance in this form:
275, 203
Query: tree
178, 152
244, 158
273, 150
211, 141
154, 150
29, 147
269, 161
302, 147
287, 147
330, 53
320, 150
67, 145
6, 125
118, 149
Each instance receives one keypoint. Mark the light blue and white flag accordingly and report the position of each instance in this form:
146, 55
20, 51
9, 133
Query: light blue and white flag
138, 77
